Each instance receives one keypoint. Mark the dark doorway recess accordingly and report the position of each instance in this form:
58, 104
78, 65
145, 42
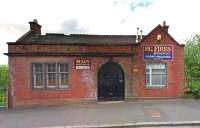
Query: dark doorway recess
110, 82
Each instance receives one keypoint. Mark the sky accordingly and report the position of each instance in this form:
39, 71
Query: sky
112, 17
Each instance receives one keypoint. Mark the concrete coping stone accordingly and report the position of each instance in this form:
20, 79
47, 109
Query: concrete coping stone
137, 124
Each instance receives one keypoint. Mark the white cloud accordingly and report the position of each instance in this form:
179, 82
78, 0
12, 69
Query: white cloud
98, 17
72, 26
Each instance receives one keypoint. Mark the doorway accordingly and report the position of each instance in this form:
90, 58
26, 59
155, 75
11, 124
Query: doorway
110, 82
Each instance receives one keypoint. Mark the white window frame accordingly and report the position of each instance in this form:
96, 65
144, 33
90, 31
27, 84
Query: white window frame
152, 66
59, 75
47, 76
35, 74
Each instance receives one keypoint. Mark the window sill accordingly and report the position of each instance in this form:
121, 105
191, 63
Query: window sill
156, 87
50, 89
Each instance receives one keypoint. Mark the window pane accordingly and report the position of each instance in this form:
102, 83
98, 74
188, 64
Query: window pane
38, 68
63, 75
51, 79
38, 79
64, 68
158, 66
51, 67
51, 75
158, 71
64, 79
147, 75
156, 80
147, 71
163, 79
148, 79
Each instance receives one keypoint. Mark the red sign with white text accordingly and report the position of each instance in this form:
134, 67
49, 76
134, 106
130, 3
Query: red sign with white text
82, 64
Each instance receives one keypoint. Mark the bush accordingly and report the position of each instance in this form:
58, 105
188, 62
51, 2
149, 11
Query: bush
4, 76
193, 88
3, 84
2, 99
2, 96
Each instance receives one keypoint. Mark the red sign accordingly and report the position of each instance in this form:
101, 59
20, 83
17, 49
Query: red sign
158, 52
83, 64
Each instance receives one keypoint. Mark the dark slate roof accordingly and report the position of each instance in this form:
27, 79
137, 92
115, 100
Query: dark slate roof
54, 38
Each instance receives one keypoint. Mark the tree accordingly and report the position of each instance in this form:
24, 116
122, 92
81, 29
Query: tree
192, 57
3, 76
192, 66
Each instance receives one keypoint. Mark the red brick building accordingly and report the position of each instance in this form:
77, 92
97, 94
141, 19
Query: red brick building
57, 68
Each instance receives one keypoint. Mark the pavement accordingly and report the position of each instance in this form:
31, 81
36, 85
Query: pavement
183, 113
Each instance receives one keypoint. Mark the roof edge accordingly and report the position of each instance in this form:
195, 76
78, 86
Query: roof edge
171, 37
73, 44
27, 34
160, 27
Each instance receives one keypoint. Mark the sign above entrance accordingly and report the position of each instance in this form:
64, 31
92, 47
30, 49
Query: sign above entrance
82, 64
164, 52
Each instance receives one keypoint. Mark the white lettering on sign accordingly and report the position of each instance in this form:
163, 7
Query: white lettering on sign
82, 67
164, 52
82, 64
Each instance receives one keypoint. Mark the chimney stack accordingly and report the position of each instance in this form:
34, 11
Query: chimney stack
140, 34
35, 27
165, 27
137, 35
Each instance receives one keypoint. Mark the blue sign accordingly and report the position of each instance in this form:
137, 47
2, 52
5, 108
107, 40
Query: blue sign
164, 52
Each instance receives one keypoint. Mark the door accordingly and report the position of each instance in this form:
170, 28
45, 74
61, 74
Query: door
110, 82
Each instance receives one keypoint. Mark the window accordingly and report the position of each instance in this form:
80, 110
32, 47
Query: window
155, 75
50, 75
63, 75
38, 76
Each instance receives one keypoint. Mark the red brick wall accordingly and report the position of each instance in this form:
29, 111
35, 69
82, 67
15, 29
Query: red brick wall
20, 48
83, 83
175, 69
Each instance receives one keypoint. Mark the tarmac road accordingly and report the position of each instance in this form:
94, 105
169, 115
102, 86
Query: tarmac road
101, 114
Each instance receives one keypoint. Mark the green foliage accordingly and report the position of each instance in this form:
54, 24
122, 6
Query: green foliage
2, 98
194, 88
3, 84
3, 76
192, 66
192, 57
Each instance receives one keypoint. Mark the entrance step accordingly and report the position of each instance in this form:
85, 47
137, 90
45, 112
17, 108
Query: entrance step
110, 102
